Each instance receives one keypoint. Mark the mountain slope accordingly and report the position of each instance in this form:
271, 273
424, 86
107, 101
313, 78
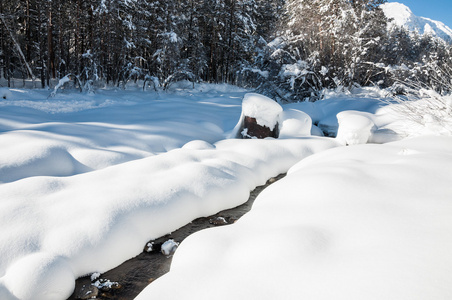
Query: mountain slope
401, 15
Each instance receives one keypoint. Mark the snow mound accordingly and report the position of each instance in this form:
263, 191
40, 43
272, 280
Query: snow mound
265, 110
402, 16
354, 128
198, 145
294, 123
5, 94
37, 160
380, 230
40, 276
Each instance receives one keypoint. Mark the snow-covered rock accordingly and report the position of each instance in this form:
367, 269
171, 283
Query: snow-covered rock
169, 247
402, 16
294, 123
354, 128
262, 108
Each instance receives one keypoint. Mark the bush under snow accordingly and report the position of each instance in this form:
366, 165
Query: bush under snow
426, 112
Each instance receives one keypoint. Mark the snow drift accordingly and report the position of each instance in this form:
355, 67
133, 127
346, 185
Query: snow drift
359, 222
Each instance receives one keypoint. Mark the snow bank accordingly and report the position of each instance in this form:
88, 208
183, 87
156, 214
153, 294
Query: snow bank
381, 230
59, 228
75, 133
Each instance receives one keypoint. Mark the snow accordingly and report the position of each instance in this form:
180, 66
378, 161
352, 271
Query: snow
402, 16
169, 247
294, 123
428, 114
380, 230
264, 109
324, 112
39, 276
95, 276
87, 180
354, 128
258, 71
104, 283
5, 93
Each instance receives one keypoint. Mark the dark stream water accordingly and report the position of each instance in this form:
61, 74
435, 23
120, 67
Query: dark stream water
128, 279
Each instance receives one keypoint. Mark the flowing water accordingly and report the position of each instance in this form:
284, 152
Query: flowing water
128, 279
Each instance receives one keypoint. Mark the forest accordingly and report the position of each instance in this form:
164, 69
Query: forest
288, 49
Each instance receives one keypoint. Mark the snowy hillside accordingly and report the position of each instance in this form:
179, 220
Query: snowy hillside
404, 17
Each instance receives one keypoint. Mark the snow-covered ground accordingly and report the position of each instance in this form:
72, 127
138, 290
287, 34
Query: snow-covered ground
87, 180
358, 222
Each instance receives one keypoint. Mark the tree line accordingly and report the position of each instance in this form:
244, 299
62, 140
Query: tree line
291, 49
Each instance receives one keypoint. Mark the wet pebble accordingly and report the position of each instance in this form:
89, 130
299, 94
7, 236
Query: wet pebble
218, 221
149, 247
272, 180
87, 292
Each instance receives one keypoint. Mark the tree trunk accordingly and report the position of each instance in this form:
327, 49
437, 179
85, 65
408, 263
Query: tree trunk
50, 50
30, 73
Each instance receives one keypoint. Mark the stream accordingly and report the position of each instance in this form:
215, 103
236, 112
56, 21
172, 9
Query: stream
127, 280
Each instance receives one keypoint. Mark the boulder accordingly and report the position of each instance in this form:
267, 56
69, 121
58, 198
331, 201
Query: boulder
251, 129
259, 118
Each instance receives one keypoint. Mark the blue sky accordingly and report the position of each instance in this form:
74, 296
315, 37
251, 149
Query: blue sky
440, 10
